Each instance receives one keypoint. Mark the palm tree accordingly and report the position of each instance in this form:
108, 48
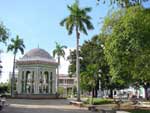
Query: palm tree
15, 46
59, 52
80, 21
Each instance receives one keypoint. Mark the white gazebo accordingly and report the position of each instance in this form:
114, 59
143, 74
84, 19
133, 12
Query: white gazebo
36, 73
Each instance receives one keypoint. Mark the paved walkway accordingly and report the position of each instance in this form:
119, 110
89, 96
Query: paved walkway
42, 106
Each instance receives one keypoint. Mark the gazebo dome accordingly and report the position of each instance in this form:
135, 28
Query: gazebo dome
37, 53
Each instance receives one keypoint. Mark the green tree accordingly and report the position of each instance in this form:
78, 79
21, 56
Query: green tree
3, 33
89, 77
16, 45
92, 53
127, 45
59, 52
124, 3
72, 66
4, 88
79, 20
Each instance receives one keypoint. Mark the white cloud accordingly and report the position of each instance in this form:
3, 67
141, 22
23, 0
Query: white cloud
64, 63
7, 63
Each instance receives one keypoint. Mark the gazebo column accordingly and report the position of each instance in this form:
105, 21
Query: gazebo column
25, 82
33, 88
19, 82
49, 82
42, 82
54, 81
36, 79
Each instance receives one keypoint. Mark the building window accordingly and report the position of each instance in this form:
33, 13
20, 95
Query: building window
61, 81
70, 81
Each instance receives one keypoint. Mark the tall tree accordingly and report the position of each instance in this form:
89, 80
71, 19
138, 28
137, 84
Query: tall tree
80, 21
3, 33
127, 46
92, 53
59, 52
16, 45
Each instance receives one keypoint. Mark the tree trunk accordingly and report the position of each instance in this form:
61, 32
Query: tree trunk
145, 90
77, 64
111, 93
13, 77
146, 85
93, 92
96, 87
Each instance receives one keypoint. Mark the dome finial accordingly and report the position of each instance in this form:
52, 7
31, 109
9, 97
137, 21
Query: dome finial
38, 45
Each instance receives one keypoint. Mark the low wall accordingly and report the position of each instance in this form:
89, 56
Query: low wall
36, 96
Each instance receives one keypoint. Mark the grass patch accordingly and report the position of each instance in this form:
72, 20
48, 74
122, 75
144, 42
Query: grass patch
139, 111
99, 101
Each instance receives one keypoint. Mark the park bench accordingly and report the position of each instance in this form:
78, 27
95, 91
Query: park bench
120, 99
76, 103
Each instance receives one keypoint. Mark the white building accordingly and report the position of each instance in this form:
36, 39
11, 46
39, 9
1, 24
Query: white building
67, 83
36, 73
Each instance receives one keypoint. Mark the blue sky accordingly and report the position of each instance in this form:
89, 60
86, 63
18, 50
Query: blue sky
37, 22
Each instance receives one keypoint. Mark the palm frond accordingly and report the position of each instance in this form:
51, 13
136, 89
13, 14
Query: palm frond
64, 46
10, 47
82, 28
54, 53
87, 9
88, 24
21, 50
70, 29
63, 54
63, 22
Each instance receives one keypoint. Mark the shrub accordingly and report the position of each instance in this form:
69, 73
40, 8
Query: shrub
99, 101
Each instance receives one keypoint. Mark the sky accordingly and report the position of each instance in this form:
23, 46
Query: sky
37, 23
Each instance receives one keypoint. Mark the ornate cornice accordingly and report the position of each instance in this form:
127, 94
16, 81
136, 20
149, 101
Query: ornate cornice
36, 62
